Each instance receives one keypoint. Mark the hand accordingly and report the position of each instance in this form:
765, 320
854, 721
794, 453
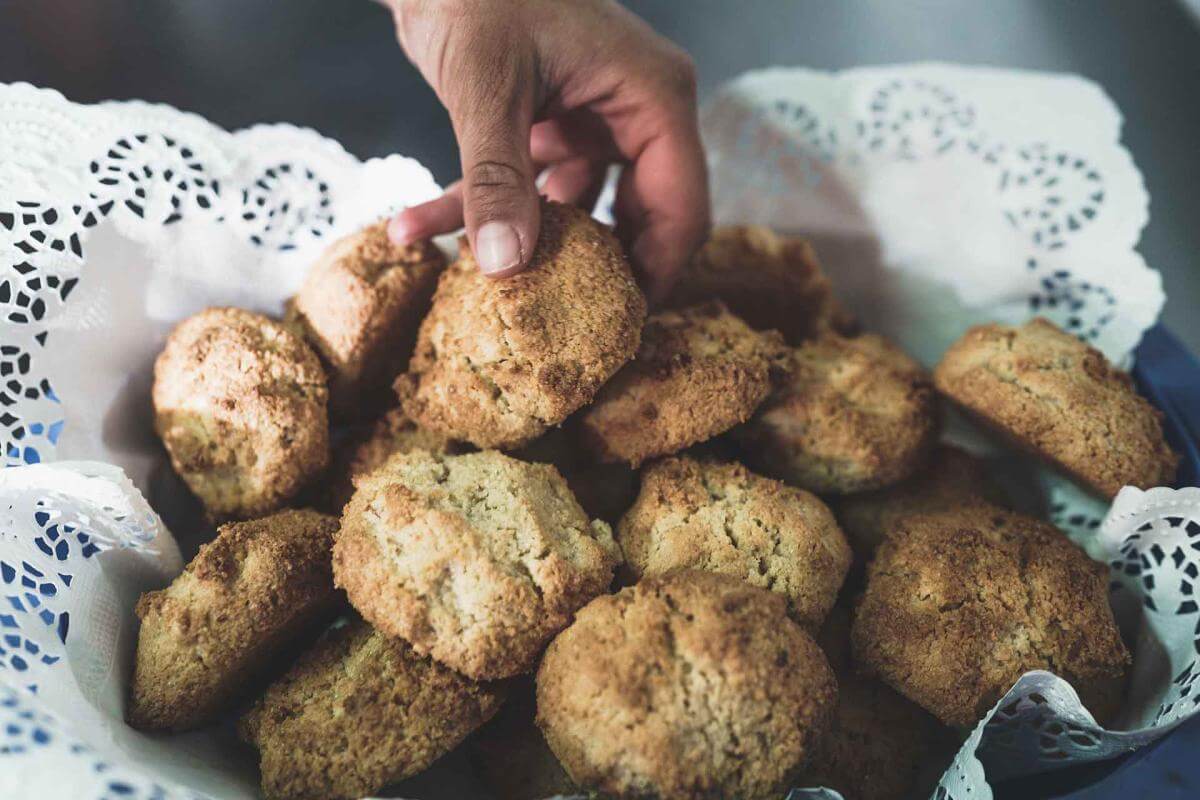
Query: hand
567, 86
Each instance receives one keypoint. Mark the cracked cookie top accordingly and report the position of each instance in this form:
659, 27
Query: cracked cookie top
240, 405
1060, 399
690, 685
959, 604
477, 559
723, 518
498, 362
699, 372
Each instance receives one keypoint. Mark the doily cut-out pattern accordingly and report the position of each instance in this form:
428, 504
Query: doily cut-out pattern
883, 167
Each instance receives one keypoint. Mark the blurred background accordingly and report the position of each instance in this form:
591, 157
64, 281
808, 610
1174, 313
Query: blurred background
334, 65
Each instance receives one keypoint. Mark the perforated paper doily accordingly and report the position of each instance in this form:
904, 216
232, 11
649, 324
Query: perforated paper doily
936, 196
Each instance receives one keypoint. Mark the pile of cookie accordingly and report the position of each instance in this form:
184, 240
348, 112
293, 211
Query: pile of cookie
713, 552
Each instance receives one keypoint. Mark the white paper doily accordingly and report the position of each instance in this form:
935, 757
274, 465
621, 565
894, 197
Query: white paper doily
936, 196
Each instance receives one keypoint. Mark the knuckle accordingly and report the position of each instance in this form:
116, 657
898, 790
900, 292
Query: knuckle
680, 74
493, 175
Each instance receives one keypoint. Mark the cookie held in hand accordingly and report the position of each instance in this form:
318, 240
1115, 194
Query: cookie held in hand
477, 560
240, 405
498, 362
690, 685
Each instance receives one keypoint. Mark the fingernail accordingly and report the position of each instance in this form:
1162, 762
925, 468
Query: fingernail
497, 247
398, 230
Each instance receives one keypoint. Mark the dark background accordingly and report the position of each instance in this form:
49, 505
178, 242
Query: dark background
334, 65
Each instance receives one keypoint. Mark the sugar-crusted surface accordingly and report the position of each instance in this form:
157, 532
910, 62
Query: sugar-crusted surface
360, 306
498, 362
959, 604
1059, 399
771, 282
856, 414
357, 712
949, 479
477, 559
878, 743
721, 517
219, 625
698, 372
240, 405
692, 685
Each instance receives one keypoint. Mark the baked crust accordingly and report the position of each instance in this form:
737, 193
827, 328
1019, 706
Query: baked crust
1059, 399
691, 685
245, 597
498, 362
960, 604
240, 405
477, 559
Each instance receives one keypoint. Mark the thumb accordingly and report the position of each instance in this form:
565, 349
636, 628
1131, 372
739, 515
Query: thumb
499, 195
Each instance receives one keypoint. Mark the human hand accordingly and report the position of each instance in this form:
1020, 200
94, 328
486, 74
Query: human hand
567, 86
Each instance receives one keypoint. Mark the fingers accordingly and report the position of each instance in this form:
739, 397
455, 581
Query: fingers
433, 218
577, 181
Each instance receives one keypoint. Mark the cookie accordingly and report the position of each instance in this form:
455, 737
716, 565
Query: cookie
477, 559
771, 282
360, 711
240, 405
950, 479
879, 744
605, 491
511, 755
691, 685
359, 308
706, 515
247, 595
855, 414
498, 362
391, 434
698, 372
960, 604
1056, 397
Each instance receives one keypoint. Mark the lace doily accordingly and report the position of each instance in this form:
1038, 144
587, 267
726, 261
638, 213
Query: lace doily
936, 196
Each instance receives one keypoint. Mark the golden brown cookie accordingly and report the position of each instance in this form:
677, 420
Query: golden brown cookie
699, 372
358, 712
949, 479
723, 518
244, 598
879, 743
856, 414
691, 685
359, 307
960, 604
477, 560
771, 282
512, 756
392, 433
499, 361
239, 402
1061, 400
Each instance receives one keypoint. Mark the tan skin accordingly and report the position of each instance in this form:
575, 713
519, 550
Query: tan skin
561, 88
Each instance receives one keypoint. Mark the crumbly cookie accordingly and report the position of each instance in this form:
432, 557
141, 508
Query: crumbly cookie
771, 282
247, 595
477, 559
240, 405
723, 518
360, 711
856, 414
690, 685
698, 372
512, 756
1061, 400
392, 433
951, 478
960, 604
605, 491
879, 743
499, 361
359, 307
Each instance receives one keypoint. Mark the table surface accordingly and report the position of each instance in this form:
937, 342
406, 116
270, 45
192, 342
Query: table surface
335, 66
